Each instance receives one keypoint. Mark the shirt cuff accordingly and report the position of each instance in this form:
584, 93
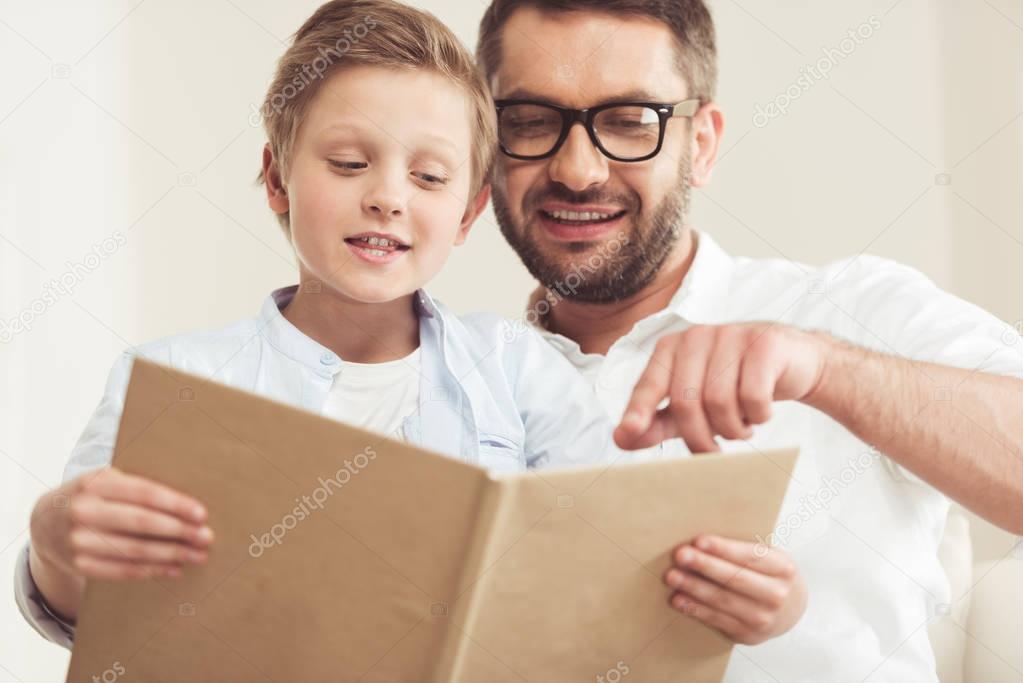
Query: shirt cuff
34, 608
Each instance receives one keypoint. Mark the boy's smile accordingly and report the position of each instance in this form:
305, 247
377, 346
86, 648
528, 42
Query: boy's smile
376, 247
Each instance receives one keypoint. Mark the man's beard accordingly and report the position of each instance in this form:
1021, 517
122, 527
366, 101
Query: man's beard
605, 272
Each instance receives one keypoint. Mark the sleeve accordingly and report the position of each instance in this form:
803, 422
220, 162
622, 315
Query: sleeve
565, 424
34, 609
94, 450
895, 309
95, 447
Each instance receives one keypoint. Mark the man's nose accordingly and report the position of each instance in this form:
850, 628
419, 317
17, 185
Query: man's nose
578, 165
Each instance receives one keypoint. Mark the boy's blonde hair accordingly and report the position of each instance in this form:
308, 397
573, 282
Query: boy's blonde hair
377, 33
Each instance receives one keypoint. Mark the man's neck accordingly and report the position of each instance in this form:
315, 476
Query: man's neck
596, 327
357, 332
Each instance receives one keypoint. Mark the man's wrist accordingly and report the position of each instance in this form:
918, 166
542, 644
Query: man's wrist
836, 357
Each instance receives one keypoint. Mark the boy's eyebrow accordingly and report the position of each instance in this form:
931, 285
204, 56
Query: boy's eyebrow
433, 138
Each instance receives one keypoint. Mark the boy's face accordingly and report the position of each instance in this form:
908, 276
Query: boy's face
379, 179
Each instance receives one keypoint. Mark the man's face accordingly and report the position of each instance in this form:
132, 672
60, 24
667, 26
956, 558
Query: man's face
580, 60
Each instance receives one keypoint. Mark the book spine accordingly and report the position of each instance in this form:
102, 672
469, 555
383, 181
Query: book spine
482, 552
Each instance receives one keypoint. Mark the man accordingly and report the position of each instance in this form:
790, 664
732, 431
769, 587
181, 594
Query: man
899, 395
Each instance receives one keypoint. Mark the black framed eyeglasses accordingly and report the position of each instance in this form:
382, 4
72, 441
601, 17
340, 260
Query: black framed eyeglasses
622, 131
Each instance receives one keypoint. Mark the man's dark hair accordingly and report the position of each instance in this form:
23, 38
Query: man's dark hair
689, 21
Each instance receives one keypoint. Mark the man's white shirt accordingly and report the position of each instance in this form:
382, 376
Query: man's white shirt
863, 531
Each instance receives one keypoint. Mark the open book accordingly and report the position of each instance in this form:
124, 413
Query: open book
341, 555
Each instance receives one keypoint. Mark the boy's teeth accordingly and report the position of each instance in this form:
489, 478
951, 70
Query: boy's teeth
378, 241
376, 252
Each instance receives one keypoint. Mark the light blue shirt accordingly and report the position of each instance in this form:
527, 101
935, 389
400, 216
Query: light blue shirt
491, 393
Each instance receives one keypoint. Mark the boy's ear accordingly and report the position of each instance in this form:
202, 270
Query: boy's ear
472, 212
276, 193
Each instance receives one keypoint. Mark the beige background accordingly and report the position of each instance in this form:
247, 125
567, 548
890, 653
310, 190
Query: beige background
131, 120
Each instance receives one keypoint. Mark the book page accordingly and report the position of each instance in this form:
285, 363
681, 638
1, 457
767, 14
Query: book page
572, 588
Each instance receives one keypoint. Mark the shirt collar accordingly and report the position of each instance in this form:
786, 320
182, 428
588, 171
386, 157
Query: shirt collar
702, 297
295, 344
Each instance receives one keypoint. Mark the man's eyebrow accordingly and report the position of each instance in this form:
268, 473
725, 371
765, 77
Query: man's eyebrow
637, 95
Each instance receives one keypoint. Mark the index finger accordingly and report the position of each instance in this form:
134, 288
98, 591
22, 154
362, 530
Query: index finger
650, 390
129, 488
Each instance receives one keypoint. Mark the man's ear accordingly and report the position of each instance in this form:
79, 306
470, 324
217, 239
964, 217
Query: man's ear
472, 212
276, 192
707, 128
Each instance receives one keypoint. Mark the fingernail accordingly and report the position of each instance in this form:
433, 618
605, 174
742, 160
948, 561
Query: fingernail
205, 534
198, 513
174, 573
196, 556
703, 543
685, 555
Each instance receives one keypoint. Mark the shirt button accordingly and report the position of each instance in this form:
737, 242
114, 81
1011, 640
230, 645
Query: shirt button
328, 359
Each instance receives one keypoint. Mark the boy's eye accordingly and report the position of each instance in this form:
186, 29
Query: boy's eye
431, 178
348, 165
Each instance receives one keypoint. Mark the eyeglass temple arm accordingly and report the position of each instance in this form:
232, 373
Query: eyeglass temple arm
686, 109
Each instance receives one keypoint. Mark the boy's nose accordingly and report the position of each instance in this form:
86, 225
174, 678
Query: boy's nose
384, 205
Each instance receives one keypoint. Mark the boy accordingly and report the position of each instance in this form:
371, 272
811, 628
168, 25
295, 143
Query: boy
379, 129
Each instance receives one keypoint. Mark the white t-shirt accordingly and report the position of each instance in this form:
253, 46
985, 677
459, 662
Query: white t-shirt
376, 396
863, 530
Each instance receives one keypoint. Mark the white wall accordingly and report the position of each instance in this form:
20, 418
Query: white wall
131, 121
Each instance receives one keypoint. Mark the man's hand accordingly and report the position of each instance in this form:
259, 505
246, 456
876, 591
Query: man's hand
748, 592
719, 380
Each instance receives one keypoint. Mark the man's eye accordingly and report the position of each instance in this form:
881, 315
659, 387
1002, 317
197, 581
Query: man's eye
348, 165
531, 127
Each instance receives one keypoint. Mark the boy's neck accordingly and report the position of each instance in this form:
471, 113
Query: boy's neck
357, 332
596, 327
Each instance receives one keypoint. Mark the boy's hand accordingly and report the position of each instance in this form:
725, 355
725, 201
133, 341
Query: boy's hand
747, 591
112, 525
